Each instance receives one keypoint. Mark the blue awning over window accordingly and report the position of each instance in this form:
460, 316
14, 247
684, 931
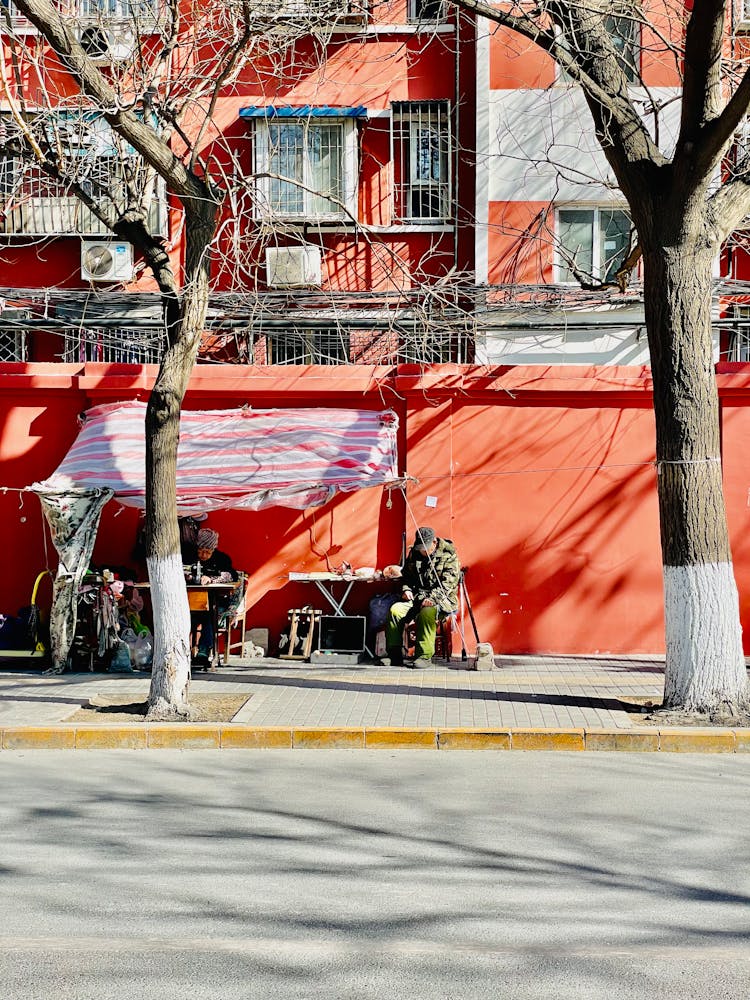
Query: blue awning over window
304, 111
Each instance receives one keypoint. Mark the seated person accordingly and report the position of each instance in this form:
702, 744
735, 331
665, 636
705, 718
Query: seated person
430, 578
215, 567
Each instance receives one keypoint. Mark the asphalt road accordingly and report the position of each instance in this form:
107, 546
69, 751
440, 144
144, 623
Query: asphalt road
346, 874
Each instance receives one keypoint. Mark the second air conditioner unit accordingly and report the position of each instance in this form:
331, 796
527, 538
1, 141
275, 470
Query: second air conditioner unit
294, 267
107, 43
106, 260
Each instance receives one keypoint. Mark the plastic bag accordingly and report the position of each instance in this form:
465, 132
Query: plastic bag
129, 637
143, 653
120, 662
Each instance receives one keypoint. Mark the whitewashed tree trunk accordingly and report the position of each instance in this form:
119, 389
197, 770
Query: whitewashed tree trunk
170, 684
705, 666
171, 665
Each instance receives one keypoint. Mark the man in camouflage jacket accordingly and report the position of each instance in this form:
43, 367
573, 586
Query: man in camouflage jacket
430, 579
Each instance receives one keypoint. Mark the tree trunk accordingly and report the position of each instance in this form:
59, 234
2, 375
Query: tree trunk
170, 675
705, 667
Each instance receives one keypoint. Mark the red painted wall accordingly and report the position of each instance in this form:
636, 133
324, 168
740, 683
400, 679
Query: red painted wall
543, 477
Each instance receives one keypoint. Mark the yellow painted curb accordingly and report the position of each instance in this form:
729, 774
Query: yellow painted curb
333, 739
206, 736
183, 736
257, 738
39, 738
473, 739
111, 737
687, 740
633, 741
401, 739
547, 739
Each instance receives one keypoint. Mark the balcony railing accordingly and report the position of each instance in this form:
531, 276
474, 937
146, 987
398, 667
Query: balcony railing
125, 347
32, 204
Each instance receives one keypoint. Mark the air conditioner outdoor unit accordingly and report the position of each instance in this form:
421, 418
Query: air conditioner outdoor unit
107, 43
106, 260
294, 267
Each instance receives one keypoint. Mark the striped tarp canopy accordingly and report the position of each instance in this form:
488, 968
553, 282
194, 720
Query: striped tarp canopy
239, 458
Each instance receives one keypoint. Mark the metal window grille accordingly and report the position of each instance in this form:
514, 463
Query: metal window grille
422, 161
307, 159
739, 337
113, 10
142, 12
310, 10
12, 345
308, 347
591, 242
130, 347
429, 346
36, 205
426, 10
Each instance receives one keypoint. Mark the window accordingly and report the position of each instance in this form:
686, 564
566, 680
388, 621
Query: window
12, 345
145, 12
592, 243
625, 35
624, 32
312, 168
307, 11
739, 337
127, 347
421, 162
95, 160
426, 10
308, 347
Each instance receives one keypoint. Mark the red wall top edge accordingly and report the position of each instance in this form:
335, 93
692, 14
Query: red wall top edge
292, 381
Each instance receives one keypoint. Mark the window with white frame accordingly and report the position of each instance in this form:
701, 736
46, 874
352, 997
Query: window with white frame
591, 243
426, 10
307, 168
422, 161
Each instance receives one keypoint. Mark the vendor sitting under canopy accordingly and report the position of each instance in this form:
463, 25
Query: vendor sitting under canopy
215, 566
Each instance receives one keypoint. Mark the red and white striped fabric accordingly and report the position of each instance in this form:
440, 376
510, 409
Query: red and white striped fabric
241, 458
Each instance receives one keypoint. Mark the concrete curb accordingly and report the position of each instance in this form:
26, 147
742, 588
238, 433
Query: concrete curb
186, 736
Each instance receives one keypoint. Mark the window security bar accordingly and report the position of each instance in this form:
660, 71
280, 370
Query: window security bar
422, 161
127, 347
34, 204
13, 345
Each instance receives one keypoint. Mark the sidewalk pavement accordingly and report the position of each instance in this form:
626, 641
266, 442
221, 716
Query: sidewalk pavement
526, 702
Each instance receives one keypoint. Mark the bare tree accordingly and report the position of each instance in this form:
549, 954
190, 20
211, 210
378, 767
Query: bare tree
684, 203
154, 75
148, 80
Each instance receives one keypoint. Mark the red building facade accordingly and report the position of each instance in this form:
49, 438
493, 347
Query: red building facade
384, 217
